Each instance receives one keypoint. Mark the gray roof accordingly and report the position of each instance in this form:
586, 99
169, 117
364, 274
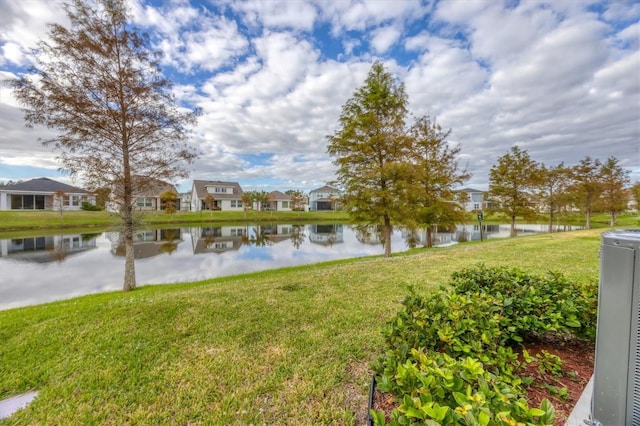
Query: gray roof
467, 190
325, 189
155, 188
277, 195
43, 185
201, 189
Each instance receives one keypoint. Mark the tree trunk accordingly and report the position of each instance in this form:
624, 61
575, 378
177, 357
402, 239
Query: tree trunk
613, 219
587, 225
550, 221
387, 236
513, 232
428, 240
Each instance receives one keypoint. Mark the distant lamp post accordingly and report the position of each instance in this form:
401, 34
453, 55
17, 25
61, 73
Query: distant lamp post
480, 219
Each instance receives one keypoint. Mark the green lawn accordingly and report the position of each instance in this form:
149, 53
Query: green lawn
50, 220
290, 346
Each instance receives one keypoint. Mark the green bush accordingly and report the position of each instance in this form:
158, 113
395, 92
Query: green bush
90, 207
534, 305
449, 355
438, 389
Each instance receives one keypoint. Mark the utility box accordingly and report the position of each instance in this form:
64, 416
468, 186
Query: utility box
616, 377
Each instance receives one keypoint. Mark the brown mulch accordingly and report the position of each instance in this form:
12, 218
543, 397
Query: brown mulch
577, 368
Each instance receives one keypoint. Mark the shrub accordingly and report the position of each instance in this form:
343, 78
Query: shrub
90, 207
449, 355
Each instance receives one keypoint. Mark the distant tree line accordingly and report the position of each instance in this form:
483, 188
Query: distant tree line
395, 174
522, 187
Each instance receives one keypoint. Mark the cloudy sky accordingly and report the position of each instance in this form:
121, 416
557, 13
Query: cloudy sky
558, 78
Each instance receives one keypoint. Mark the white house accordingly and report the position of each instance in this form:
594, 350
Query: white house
42, 194
324, 198
279, 201
475, 199
226, 195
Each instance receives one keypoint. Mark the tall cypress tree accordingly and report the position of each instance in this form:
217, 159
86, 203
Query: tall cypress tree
370, 151
512, 182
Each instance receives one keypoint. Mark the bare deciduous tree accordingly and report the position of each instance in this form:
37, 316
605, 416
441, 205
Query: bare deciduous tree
98, 82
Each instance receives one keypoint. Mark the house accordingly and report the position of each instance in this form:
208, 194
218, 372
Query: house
226, 195
279, 201
474, 199
42, 194
185, 200
325, 198
151, 197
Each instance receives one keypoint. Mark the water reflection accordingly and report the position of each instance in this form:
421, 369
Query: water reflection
45, 249
40, 269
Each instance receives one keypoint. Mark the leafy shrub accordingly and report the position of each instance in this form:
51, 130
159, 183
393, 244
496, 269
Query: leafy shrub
90, 207
449, 356
534, 305
438, 389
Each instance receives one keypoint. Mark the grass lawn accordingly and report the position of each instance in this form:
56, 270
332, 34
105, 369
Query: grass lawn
39, 220
289, 346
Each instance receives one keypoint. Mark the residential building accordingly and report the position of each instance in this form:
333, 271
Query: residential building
475, 199
151, 197
43, 194
324, 198
226, 195
279, 201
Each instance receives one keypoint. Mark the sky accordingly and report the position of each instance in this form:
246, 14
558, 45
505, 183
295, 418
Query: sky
559, 79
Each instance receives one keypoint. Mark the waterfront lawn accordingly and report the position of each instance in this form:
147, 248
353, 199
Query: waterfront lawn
290, 346
26, 220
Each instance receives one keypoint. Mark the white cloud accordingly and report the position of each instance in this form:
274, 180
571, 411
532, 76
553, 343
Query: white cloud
555, 78
630, 35
384, 37
24, 23
622, 10
359, 15
276, 14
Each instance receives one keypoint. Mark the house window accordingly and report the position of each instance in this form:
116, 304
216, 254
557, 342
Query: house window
222, 190
27, 202
144, 202
286, 204
71, 201
476, 206
236, 203
237, 232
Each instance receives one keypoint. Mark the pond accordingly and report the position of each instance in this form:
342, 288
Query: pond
41, 269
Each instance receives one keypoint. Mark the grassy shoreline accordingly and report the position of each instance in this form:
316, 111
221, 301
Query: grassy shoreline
50, 220
287, 346
16, 221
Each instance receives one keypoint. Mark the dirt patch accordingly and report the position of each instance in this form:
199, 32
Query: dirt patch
577, 368
562, 388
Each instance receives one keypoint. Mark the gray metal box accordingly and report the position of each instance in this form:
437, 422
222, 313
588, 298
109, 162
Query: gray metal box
616, 385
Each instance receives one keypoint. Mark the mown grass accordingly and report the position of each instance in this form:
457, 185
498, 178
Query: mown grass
289, 346
37, 220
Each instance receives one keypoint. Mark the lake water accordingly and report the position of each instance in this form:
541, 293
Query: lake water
41, 269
